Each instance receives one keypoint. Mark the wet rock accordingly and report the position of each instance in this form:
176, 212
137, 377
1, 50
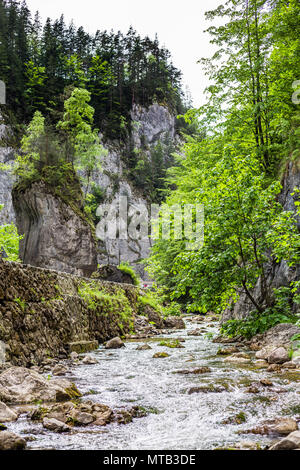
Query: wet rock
266, 382
289, 365
248, 445
11, 441
224, 340
74, 356
279, 426
255, 347
291, 442
54, 425
81, 418
59, 370
237, 360
261, 364
199, 370
274, 368
174, 322
20, 385
237, 419
153, 316
6, 414
227, 351
264, 352
115, 343
278, 356
196, 332
143, 347
252, 389
207, 389
160, 355
89, 360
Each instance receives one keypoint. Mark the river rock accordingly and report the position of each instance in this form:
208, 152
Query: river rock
59, 370
88, 360
237, 360
81, 418
196, 332
281, 426
207, 389
227, 351
174, 322
6, 414
264, 352
278, 356
11, 441
143, 347
199, 370
261, 364
292, 441
160, 355
115, 343
55, 425
21, 385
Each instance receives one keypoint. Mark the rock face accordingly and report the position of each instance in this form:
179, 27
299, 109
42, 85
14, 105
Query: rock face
55, 236
44, 312
149, 126
6, 180
277, 274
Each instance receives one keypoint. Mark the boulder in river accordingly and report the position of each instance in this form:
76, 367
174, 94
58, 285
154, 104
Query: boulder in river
174, 322
114, 343
21, 385
55, 425
278, 356
11, 441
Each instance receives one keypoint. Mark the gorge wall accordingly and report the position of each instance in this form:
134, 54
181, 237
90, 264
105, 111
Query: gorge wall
148, 127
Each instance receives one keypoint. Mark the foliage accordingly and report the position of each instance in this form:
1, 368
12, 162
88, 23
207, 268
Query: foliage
249, 129
257, 323
159, 301
107, 303
9, 241
127, 269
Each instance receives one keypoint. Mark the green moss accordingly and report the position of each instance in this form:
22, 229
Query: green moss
107, 303
126, 269
61, 181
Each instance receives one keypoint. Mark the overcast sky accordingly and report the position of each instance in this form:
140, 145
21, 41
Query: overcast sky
178, 23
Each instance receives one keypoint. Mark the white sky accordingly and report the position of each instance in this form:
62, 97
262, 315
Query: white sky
179, 24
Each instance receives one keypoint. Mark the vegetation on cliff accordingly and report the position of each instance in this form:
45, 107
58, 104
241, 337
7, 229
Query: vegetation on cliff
250, 130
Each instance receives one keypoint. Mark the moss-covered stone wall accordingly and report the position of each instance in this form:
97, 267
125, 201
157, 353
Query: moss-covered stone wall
43, 311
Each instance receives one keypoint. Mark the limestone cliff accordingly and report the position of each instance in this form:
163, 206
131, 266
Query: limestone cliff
148, 127
56, 237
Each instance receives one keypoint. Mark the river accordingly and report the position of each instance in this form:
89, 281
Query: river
176, 419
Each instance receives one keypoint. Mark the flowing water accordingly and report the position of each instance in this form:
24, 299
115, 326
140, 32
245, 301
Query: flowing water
176, 419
